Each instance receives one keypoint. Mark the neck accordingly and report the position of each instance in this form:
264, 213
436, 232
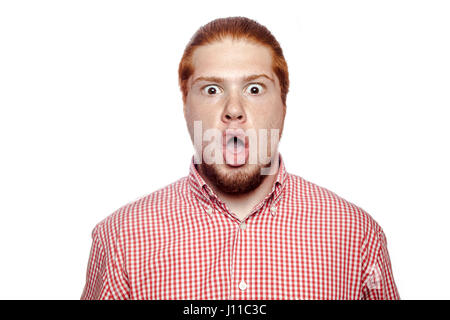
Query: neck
242, 204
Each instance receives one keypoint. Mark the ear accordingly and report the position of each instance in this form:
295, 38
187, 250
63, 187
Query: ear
184, 99
184, 106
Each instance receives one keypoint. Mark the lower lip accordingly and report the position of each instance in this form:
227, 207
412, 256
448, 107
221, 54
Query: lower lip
235, 156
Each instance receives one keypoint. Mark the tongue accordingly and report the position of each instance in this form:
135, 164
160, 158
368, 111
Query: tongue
235, 145
235, 154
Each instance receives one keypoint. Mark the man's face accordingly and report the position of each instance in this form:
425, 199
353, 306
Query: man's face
234, 89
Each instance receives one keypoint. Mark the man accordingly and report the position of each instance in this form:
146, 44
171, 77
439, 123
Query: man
238, 226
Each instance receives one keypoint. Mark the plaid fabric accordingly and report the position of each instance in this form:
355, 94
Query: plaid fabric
181, 242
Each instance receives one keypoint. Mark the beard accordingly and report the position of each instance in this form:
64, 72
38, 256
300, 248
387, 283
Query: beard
236, 180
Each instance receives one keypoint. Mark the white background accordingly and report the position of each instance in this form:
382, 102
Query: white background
91, 119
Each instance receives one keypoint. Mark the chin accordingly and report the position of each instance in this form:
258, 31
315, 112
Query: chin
235, 180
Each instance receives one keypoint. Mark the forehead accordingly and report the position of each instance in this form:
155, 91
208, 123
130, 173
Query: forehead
232, 59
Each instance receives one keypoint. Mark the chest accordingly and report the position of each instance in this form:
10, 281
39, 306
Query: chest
223, 259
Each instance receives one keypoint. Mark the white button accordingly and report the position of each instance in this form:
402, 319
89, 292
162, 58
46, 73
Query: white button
209, 210
273, 209
243, 285
243, 226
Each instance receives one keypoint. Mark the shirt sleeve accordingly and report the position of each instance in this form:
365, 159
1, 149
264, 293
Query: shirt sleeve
96, 287
378, 279
106, 276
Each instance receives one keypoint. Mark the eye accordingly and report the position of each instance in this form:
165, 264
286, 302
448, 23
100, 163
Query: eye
254, 89
211, 90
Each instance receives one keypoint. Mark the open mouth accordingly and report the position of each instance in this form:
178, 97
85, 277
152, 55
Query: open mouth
235, 148
235, 144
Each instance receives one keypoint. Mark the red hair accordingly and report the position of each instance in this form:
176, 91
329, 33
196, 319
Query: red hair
235, 28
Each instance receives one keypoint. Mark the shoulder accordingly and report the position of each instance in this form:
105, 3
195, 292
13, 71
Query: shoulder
320, 202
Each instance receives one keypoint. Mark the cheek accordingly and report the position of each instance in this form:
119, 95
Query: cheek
207, 116
270, 115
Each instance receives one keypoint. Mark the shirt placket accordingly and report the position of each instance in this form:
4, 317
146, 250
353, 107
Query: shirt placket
240, 280
240, 270
242, 283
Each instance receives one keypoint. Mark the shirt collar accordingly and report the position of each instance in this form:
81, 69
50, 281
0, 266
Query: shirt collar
203, 191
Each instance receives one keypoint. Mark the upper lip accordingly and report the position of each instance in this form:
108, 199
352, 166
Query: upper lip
231, 133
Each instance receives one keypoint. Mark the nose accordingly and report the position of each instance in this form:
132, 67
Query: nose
234, 111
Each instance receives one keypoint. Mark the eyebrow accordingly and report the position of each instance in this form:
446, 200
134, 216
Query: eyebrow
219, 79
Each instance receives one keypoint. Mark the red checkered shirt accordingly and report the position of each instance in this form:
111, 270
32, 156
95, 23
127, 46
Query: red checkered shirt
182, 242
